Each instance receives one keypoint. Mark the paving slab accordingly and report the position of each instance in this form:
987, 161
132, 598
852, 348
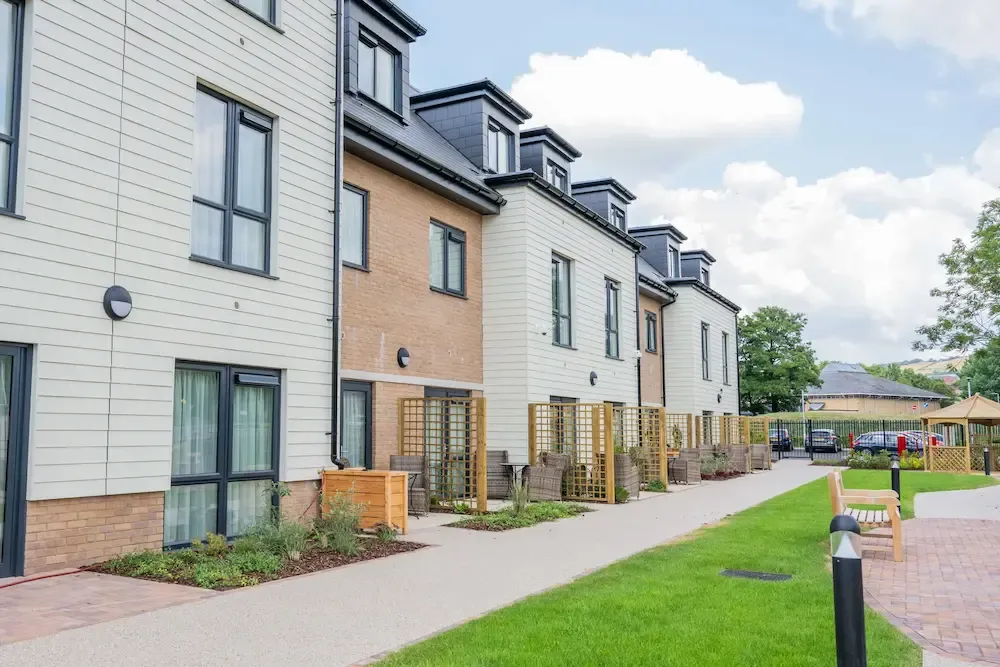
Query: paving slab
345, 616
972, 504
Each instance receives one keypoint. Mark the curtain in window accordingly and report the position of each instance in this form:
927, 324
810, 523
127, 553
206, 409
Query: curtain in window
8, 56
503, 156
352, 230
251, 170
248, 242
209, 147
366, 68
6, 369
437, 256
455, 251
253, 417
385, 79
259, 7
196, 422
189, 512
247, 503
206, 232
355, 420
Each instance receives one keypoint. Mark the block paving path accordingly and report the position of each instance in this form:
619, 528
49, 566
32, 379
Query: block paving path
946, 594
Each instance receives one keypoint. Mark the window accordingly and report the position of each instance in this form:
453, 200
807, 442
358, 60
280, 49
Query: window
378, 72
704, 278
356, 423
618, 217
725, 358
447, 259
498, 148
557, 176
225, 451
650, 332
11, 21
704, 352
354, 227
231, 223
612, 292
562, 314
15, 392
673, 262
562, 420
264, 9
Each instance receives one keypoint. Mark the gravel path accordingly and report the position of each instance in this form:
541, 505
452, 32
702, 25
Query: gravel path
346, 615
973, 504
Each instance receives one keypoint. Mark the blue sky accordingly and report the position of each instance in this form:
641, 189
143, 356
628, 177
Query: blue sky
838, 211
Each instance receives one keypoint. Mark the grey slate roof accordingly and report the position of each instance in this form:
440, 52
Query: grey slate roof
649, 275
839, 379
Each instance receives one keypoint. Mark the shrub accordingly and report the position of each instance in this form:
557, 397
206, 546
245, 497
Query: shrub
656, 485
709, 467
260, 562
286, 539
519, 497
219, 573
385, 533
339, 523
215, 545
621, 494
145, 564
461, 508
866, 461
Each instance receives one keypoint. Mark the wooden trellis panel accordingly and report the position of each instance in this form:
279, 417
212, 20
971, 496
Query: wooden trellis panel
584, 432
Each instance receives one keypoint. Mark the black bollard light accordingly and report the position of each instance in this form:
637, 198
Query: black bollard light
848, 592
894, 468
986, 460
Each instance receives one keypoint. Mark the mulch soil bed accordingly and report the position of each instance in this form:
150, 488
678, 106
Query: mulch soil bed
719, 476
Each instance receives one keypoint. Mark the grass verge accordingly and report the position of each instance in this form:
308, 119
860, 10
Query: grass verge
669, 606
534, 513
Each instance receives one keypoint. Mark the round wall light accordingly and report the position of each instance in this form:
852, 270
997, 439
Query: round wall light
593, 378
117, 302
403, 357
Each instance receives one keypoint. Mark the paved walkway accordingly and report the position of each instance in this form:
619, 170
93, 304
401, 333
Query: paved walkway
347, 615
975, 504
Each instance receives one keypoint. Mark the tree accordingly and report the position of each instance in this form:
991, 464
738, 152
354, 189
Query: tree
776, 364
970, 315
983, 370
910, 377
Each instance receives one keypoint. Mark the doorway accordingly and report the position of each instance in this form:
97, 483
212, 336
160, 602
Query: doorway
356, 423
14, 392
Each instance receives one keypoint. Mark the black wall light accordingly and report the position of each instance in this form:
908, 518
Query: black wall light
117, 302
403, 357
593, 378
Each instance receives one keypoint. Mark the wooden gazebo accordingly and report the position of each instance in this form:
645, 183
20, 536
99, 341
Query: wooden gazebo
971, 417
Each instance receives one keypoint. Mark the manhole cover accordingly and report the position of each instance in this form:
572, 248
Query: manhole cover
760, 576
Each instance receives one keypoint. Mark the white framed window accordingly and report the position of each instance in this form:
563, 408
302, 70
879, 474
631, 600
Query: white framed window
498, 146
378, 72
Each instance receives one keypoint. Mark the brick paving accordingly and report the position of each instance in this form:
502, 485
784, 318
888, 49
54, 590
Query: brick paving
44, 606
946, 594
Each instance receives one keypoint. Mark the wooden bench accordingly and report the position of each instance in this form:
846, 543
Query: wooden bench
840, 498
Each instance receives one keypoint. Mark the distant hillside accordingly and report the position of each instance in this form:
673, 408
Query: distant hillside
936, 366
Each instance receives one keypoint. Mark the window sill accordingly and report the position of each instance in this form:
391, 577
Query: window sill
231, 267
11, 214
257, 16
651, 351
381, 107
608, 356
447, 293
356, 267
564, 346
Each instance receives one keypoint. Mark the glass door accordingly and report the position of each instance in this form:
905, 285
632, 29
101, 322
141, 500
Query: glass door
13, 457
356, 423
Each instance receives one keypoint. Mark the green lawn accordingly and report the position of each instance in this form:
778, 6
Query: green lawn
669, 606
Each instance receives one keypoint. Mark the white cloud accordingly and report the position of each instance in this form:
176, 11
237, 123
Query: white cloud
857, 252
965, 29
650, 112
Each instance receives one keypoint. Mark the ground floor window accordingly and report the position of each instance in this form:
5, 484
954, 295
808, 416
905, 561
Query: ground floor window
225, 451
14, 392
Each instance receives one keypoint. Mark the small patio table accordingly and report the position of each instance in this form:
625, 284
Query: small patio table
515, 470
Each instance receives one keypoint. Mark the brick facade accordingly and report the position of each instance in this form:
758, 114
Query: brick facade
650, 365
74, 532
304, 502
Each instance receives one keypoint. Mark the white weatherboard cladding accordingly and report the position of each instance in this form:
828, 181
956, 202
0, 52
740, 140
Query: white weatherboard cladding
521, 365
687, 391
107, 164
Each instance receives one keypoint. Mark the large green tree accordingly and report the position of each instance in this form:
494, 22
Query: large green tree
983, 370
776, 363
970, 314
910, 377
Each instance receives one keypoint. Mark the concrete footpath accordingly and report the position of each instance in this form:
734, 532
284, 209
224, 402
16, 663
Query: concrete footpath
346, 615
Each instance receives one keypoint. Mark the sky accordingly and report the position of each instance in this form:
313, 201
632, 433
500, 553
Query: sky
826, 152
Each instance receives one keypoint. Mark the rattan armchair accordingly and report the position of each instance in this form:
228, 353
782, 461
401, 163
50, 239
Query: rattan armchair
419, 496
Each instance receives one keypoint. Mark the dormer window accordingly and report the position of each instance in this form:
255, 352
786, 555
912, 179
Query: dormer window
498, 147
673, 262
378, 71
617, 217
704, 278
557, 176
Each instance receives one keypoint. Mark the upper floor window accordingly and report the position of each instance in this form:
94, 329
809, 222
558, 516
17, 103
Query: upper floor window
704, 352
651, 332
618, 217
378, 72
562, 316
705, 277
354, 227
725, 358
265, 9
447, 259
11, 20
498, 149
231, 221
673, 262
612, 291
557, 176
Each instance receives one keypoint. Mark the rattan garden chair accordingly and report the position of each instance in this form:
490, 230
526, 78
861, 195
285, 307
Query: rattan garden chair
419, 497
497, 475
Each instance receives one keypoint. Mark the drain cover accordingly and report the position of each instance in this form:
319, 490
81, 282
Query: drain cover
760, 576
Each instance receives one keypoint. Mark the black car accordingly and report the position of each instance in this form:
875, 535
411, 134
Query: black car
823, 439
780, 440
887, 441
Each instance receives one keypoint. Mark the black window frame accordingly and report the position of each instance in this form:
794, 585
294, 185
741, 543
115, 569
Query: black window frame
502, 132
673, 262
373, 41
450, 234
270, 19
612, 291
706, 368
557, 175
557, 315
618, 217
364, 227
15, 509
651, 332
13, 140
238, 114
229, 377
725, 357
706, 277
366, 388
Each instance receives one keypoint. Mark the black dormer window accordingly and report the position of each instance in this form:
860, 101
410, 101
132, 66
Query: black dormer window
673, 262
704, 278
618, 217
378, 72
557, 176
498, 149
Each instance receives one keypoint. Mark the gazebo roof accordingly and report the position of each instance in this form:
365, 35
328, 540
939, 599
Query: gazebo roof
974, 409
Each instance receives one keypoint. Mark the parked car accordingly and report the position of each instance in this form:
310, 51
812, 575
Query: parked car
780, 440
879, 441
823, 439
935, 439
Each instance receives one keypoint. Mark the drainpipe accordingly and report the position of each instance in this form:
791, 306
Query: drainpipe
638, 335
663, 356
739, 396
338, 186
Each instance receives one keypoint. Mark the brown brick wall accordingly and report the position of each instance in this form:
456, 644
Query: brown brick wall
650, 366
385, 418
303, 504
74, 532
391, 305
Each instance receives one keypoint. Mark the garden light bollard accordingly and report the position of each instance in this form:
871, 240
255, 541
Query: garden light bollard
986, 460
848, 592
895, 476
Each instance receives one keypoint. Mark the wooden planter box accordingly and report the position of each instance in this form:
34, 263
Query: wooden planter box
382, 492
